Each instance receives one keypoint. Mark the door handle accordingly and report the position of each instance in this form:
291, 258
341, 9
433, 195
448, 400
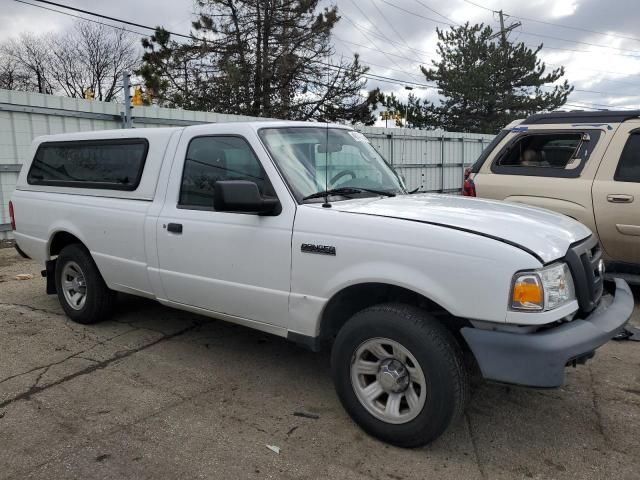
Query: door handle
174, 227
619, 198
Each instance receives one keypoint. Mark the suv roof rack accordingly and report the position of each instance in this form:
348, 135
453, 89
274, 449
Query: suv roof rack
604, 116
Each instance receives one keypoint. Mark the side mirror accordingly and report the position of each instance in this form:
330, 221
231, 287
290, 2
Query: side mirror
243, 196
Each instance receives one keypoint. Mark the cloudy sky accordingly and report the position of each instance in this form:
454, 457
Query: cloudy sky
597, 42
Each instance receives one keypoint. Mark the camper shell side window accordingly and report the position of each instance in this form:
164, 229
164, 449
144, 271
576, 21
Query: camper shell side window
112, 164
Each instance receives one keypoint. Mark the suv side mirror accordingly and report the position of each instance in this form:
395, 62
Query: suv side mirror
243, 196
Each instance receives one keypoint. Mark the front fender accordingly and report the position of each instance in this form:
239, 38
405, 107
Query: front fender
468, 275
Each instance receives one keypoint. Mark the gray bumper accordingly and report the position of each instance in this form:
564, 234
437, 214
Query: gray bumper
539, 359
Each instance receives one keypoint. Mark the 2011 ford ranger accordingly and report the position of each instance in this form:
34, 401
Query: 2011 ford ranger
304, 231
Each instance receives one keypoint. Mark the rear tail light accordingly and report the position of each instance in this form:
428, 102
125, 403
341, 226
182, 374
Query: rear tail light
12, 216
468, 188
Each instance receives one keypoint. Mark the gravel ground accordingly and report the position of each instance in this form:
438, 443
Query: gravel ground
159, 393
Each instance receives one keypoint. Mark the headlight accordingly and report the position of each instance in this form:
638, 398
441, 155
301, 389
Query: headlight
543, 289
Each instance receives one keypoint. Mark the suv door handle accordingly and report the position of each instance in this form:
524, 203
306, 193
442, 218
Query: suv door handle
174, 227
620, 198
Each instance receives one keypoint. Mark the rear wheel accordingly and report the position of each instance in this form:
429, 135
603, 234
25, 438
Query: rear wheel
399, 374
82, 292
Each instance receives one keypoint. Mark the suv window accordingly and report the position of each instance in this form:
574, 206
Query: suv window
629, 165
109, 164
214, 158
553, 154
542, 151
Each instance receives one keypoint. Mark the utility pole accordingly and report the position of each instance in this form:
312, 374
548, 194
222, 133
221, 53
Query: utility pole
127, 120
503, 37
406, 110
504, 30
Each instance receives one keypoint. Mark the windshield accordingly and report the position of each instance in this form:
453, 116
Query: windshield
311, 164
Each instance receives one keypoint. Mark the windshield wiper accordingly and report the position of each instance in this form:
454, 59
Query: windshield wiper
347, 191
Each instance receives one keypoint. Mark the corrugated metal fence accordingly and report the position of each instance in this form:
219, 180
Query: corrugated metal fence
429, 160
432, 161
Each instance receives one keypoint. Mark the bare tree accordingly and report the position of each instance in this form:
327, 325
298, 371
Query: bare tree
91, 56
12, 76
30, 57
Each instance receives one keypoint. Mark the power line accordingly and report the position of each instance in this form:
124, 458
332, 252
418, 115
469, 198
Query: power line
377, 49
435, 11
579, 106
373, 2
106, 17
582, 51
355, 4
596, 106
417, 14
374, 49
374, 76
523, 32
359, 26
600, 71
408, 73
580, 29
177, 34
433, 53
477, 5
579, 90
375, 64
541, 35
82, 18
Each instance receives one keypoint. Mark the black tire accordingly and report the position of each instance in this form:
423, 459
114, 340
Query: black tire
99, 300
438, 355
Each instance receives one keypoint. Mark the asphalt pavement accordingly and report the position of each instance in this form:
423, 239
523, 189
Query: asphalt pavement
159, 393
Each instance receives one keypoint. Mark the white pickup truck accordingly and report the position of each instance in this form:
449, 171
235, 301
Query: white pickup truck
304, 231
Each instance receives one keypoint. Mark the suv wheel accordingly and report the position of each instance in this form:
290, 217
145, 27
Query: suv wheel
399, 374
82, 292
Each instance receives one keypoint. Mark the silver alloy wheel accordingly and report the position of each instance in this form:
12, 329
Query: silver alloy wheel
388, 380
73, 285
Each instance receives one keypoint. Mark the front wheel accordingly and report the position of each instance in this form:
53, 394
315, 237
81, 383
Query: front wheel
82, 292
400, 374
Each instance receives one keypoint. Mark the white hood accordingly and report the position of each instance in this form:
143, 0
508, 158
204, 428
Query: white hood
545, 233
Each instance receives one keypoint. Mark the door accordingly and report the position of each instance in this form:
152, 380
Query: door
616, 196
232, 263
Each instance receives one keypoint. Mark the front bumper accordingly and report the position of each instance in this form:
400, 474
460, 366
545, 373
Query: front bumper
539, 359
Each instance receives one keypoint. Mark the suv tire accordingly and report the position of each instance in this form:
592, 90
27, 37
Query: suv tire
82, 292
400, 374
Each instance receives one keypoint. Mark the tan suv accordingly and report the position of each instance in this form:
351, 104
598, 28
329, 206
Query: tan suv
583, 164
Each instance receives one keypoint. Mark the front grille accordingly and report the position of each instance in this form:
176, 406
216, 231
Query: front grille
583, 260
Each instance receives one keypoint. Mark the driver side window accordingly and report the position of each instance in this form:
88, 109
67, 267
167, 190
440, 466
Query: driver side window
216, 158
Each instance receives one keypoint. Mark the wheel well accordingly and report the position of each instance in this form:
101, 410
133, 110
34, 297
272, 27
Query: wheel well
61, 240
343, 305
